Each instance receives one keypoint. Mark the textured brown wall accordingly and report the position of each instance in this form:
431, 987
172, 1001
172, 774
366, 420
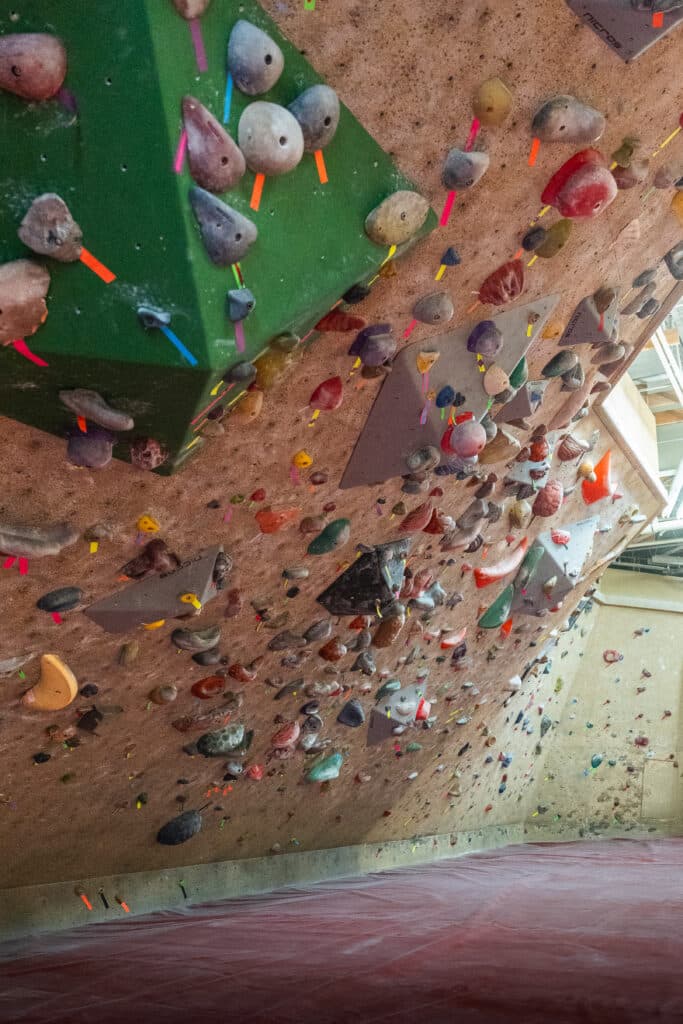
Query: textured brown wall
407, 71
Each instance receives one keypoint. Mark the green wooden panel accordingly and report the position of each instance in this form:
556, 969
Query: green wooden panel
130, 63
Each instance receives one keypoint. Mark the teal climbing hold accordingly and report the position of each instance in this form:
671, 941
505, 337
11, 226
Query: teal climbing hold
326, 769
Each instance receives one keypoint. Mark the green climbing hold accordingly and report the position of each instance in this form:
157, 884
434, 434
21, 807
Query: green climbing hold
596, 760
519, 375
499, 612
528, 566
326, 769
412, 748
391, 686
556, 238
334, 535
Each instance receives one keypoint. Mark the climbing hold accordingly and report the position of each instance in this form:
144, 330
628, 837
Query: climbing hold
242, 373
609, 353
574, 378
326, 769
467, 438
180, 829
444, 400
548, 499
571, 448
586, 470
56, 688
328, 395
335, 535
665, 177
227, 235
147, 453
499, 612
23, 288
495, 381
215, 160
211, 686
92, 450
533, 238
651, 307
674, 261
602, 486
391, 625
49, 229
249, 407
92, 407
555, 239
565, 360
418, 518
451, 258
504, 284
583, 187
196, 640
374, 345
397, 218
463, 169
596, 760
566, 119
270, 138
352, 714
425, 361
677, 205
32, 65
485, 339
492, 102
36, 541
635, 174
646, 277
255, 61
317, 111
484, 576
519, 514
155, 557
65, 599
240, 303
422, 460
191, 9
435, 308
336, 320
610, 657
319, 630
165, 694
222, 741
333, 650
302, 460
312, 524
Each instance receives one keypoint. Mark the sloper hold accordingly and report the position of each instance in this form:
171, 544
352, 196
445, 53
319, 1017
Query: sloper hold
674, 261
463, 169
23, 288
36, 541
56, 688
215, 160
374, 579
317, 111
255, 61
49, 229
386, 438
270, 138
157, 597
582, 187
227, 235
32, 64
180, 829
566, 119
397, 218
92, 406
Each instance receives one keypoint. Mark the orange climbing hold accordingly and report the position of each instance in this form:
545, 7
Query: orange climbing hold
601, 486
271, 520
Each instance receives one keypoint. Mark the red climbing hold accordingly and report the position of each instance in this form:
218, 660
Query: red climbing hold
212, 686
504, 284
328, 395
583, 186
335, 320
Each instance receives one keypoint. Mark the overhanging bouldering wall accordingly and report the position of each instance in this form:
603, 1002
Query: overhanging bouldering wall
114, 744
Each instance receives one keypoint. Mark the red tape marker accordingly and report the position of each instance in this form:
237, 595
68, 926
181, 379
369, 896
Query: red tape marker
448, 206
92, 263
22, 348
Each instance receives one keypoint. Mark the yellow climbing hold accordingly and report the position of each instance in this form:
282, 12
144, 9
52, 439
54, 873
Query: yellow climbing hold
146, 524
302, 460
56, 688
191, 599
153, 625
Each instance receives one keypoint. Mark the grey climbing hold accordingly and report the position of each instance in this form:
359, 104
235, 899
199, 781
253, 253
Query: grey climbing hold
352, 714
639, 300
461, 170
610, 353
64, 599
317, 111
423, 459
49, 229
227, 235
397, 218
215, 160
92, 450
674, 261
375, 345
150, 317
91, 406
221, 741
242, 373
645, 277
436, 308
574, 378
179, 830
566, 119
196, 640
270, 138
561, 363
286, 641
240, 303
36, 541
651, 307
319, 630
255, 61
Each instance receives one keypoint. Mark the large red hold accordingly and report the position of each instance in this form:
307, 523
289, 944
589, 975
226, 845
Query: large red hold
328, 395
583, 186
548, 499
504, 284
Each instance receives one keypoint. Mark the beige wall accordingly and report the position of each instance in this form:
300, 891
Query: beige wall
606, 706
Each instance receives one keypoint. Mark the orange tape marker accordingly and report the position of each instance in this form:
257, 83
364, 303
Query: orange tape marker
535, 146
259, 182
97, 268
658, 19
320, 164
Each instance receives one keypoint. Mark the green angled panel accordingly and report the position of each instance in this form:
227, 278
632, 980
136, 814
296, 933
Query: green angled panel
130, 64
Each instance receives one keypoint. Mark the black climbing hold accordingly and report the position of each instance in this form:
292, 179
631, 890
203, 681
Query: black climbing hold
90, 720
89, 690
373, 579
533, 238
352, 714
41, 757
180, 829
356, 294
62, 600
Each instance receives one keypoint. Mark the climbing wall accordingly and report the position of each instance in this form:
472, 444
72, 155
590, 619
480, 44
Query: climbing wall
410, 710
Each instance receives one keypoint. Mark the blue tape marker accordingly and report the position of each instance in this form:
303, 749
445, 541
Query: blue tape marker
228, 99
185, 353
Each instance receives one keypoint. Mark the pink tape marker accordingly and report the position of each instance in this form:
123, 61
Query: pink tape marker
180, 153
239, 336
474, 131
23, 349
198, 43
448, 206
23, 566
56, 618
410, 328
9, 562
